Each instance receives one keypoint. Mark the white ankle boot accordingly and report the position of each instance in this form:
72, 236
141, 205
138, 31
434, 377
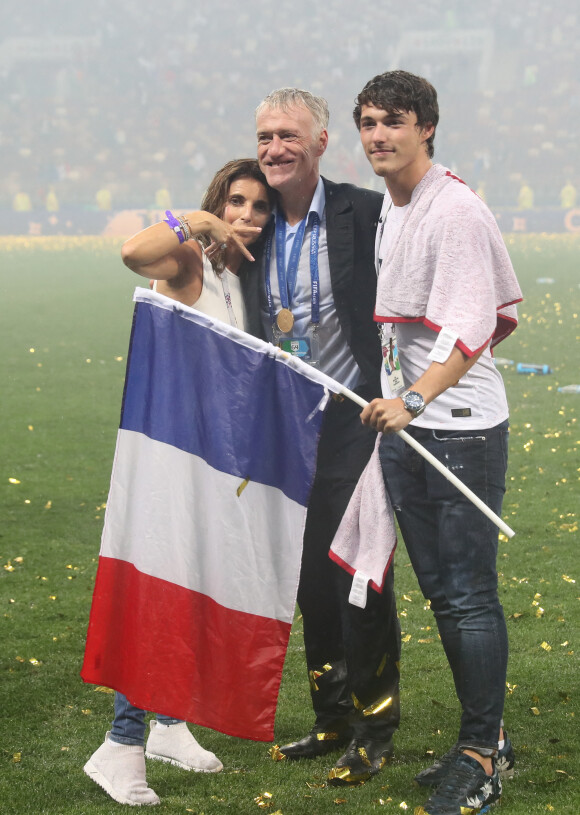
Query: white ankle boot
120, 770
175, 744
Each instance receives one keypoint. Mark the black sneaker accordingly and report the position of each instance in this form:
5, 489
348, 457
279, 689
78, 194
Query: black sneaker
363, 759
466, 790
505, 759
434, 775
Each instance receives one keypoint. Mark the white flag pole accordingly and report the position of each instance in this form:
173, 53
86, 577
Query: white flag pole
440, 468
336, 387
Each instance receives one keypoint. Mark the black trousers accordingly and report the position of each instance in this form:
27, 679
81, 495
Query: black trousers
352, 654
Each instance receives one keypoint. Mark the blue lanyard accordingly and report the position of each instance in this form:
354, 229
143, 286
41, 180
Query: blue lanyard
288, 275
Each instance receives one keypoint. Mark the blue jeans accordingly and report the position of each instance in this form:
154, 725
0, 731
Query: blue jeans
128, 726
453, 549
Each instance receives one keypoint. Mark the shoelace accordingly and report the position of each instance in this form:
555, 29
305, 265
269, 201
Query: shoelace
459, 781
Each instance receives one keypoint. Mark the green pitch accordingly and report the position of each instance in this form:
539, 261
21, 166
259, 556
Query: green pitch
66, 314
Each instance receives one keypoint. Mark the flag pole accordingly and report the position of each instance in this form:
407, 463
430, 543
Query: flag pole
336, 387
508, 531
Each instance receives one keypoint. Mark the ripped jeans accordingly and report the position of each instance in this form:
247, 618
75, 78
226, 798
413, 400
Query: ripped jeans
453, 549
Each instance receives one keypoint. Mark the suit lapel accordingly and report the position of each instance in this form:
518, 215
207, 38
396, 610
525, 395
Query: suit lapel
340, 237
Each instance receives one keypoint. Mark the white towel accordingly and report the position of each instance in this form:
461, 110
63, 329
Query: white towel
449, 267
366, 538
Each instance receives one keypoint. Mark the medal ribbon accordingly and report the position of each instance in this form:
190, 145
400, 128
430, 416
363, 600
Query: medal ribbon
288, 275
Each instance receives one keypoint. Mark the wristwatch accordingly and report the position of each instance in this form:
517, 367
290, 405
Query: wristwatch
413, 402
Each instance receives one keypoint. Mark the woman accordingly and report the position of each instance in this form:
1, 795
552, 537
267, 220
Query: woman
195, 259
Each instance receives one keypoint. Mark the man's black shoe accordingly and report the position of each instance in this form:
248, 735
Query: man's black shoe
435, 774
363, 759
466, 790
316, 743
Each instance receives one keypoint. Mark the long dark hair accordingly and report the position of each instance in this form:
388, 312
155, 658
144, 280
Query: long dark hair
216, 195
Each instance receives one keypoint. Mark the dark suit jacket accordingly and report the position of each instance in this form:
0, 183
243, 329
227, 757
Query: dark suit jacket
352, 214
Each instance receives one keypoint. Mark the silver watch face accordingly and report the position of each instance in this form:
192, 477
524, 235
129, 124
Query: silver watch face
414, 402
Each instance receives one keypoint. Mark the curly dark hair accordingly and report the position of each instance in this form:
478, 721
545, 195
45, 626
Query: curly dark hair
401, 91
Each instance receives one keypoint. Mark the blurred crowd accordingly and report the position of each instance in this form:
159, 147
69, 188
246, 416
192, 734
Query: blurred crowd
136, 104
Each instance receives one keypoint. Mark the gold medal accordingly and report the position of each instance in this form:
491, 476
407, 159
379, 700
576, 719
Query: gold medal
285, 320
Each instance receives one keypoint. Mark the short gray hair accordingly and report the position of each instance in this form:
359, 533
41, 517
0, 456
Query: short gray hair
285, 98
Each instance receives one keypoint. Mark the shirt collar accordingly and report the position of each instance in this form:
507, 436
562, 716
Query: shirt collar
317, 205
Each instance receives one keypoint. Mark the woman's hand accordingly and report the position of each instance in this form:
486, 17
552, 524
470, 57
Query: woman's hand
228, 237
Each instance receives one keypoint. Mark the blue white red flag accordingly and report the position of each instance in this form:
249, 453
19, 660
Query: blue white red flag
200, 557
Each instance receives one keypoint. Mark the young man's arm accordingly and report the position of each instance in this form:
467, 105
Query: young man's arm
390, 415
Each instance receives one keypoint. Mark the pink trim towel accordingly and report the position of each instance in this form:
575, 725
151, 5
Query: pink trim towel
366, 539
449, 267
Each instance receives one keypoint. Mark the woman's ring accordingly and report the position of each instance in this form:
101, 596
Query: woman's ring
224, 246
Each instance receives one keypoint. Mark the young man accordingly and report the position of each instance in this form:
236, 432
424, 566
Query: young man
317, 296
445, 295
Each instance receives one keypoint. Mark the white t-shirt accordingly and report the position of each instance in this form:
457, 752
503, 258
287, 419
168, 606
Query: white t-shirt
478, 401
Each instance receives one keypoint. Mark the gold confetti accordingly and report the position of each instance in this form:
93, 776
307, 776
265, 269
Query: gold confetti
13, 481
339, 801
103, 689
275, 753
87, 711
567, 579
264, 801
426, 640
242, 486
48, 505
406, 638
403, 805
17, 757
546, 647
535, 711
407, 598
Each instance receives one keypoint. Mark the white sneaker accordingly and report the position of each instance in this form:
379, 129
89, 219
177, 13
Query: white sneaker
120, 770
174, 744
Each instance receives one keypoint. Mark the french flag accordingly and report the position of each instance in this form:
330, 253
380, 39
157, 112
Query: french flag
200, 556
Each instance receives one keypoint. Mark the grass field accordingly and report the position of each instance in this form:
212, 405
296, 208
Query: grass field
66, 314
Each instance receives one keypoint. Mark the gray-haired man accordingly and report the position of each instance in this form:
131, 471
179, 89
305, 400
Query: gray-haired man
317, 299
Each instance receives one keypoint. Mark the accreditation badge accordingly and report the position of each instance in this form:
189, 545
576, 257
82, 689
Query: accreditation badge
391, 360
297, 346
